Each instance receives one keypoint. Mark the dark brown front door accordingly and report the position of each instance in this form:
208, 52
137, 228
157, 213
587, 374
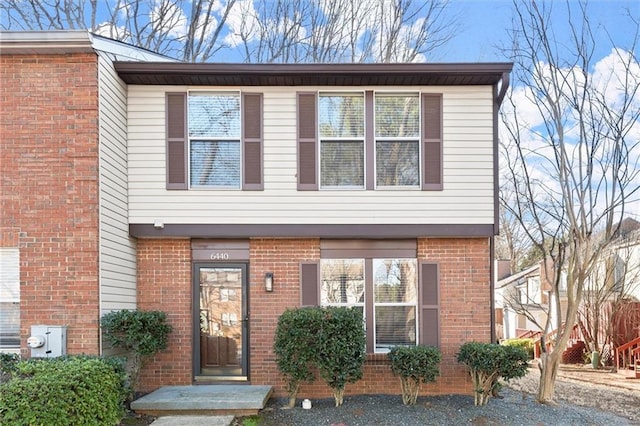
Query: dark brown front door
221, 322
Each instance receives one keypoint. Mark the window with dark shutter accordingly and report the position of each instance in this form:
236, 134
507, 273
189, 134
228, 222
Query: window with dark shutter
307, 142
176, 154
432, 141
429, 305
309, 284
252, 142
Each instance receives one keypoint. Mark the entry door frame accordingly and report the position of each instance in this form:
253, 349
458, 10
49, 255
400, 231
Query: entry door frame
244, 267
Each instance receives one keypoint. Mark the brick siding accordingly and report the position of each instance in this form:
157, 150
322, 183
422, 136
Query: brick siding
49, 190
164, 282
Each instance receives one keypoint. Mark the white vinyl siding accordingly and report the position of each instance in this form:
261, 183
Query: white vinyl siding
467, 197
117, 249
9, 299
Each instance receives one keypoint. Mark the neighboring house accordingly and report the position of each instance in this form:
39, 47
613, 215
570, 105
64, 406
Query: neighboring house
224, 194
523, 301
612, 296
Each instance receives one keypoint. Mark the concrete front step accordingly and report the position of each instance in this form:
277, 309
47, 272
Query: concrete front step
236, 400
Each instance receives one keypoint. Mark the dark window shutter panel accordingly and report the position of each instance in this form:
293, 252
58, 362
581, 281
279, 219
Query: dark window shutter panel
176, 119
307, 142
429, 305
432, 141
252, 141
309, 284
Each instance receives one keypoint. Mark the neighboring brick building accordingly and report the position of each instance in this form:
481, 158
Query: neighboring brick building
372, 186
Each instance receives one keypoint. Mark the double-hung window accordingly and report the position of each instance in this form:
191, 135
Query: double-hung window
395, 288
369, 140
341, 129
214, 140
397, 140
397, 295
393, 283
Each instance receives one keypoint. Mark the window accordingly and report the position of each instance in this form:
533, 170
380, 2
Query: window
397, 147
369, 140
9, 300
395, 287
214, 140
391, 313
341, 119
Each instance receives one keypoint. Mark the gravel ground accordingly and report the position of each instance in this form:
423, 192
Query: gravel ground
578, 403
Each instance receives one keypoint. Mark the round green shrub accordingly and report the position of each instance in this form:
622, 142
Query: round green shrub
488, 362
341, 348
526, 344
414, 365
293, 345
63, 391
143, 333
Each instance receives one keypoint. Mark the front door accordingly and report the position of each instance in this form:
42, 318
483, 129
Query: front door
220, 316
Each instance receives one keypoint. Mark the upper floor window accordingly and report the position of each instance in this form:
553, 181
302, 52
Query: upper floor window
341, 129
397, 134
214, 140
369, 140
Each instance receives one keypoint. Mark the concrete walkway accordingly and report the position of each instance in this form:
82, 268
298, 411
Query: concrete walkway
193, 421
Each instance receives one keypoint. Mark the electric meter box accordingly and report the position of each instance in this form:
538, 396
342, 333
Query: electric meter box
48, 341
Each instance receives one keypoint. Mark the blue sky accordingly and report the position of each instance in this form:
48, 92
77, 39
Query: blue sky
485, 25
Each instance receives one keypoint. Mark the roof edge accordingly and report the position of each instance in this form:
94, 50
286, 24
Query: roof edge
43, 42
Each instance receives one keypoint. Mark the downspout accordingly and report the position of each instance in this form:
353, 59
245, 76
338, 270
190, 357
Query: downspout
501, 93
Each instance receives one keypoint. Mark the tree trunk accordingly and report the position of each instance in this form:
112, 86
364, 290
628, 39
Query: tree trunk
410, 389
548, 365
338, 395
293, 393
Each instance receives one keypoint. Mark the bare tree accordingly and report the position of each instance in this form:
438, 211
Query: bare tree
571, 156
344, 30
189, 30
282, 31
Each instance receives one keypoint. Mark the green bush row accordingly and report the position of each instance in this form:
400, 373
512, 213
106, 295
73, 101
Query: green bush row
74, 390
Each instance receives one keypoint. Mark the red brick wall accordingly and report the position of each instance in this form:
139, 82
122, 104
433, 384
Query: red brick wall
164, 284
282, 257
49, 190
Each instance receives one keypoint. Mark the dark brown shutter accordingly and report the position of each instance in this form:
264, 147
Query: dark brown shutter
309, 284
252, 141
307, 142
176, 119
432, 141
429, 305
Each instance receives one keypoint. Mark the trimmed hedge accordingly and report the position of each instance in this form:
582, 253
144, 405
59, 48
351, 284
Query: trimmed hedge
329, 339
64, 391
488, 362
414, 365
